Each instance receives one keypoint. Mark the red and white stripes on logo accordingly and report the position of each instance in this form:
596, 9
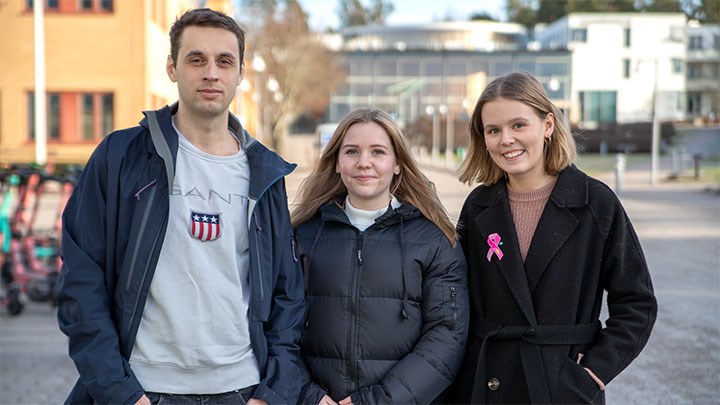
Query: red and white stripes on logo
205, 226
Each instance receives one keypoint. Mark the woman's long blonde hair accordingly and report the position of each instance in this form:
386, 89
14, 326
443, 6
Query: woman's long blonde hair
525, 88
411, 186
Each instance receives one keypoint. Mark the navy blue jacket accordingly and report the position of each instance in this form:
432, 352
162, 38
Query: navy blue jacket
113, 230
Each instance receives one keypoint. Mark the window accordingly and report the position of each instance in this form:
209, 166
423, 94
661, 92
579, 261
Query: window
677, 65
387, 68
53, 116
598, 106
433, 69
578, 35
409, 69
49, 5
695, 42
74, 117
627, 37
693, 103
694, 70
626, 68
77, 6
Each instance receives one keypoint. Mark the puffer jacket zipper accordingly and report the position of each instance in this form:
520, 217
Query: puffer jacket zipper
353, 361
453, 305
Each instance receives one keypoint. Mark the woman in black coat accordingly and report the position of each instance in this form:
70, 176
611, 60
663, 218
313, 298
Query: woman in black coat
386, 282
543, 242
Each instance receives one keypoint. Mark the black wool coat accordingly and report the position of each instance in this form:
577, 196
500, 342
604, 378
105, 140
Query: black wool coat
387, 308
529, 321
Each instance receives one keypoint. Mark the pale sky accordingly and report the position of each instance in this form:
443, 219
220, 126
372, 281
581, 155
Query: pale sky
323, 13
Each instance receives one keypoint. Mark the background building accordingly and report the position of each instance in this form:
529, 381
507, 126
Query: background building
429, 76
625, 66
104, 63
703, 72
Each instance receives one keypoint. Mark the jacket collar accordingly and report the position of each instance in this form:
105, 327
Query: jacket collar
570, 191
335, 211
556, 225
266, 166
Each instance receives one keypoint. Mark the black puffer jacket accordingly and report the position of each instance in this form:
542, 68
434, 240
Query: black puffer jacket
387, 308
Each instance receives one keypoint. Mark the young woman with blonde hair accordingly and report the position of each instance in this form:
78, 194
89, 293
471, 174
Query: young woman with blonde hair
543, 242
385, 280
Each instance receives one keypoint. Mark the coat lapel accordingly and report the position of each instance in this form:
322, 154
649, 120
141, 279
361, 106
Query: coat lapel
557, 222
497, 219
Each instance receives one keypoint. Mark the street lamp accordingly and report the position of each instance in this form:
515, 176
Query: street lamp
655, 137
40, 96
435, 156
449, 136
554, 85
450, 141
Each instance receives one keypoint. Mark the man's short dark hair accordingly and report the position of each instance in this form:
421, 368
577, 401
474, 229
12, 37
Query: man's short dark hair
204, 17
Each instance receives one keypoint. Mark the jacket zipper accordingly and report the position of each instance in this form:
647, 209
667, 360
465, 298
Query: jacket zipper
354, 367
258, 230
141, 232
143, 223
453, 301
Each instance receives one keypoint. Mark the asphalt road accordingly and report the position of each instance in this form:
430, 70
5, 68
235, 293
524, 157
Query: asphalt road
679, 229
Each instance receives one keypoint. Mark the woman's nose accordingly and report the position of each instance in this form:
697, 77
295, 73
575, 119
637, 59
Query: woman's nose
506, 138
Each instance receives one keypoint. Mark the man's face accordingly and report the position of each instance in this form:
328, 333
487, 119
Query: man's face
207, 72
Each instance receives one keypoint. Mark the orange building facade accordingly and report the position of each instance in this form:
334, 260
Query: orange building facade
104, 64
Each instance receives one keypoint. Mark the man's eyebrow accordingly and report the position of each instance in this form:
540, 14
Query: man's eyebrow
196, 52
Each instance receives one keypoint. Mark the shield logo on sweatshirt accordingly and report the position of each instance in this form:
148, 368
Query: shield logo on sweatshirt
204, 226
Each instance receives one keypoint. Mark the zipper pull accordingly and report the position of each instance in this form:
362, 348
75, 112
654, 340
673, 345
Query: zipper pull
359, 256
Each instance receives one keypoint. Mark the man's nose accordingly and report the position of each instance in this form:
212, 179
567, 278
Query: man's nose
211, 72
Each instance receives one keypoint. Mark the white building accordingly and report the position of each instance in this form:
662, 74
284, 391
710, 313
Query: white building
625, 66
482, 36
703, 71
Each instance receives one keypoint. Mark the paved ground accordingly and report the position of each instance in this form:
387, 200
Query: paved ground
679, 228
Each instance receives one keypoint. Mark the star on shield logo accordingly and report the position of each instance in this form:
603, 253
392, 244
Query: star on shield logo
204, 226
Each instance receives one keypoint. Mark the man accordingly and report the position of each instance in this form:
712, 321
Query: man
180, 281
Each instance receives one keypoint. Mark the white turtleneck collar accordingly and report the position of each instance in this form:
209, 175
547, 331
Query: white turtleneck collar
362, 219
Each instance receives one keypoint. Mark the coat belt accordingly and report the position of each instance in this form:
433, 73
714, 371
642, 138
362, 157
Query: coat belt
533, 338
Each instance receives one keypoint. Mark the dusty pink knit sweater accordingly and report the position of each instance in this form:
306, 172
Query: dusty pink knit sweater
527, 206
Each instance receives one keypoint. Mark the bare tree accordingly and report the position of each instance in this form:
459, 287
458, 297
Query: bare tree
299, 74
353, 12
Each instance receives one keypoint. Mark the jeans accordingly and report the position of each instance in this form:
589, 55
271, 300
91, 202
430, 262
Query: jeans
237, 397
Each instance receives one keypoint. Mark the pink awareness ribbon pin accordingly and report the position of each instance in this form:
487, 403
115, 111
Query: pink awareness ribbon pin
494, 242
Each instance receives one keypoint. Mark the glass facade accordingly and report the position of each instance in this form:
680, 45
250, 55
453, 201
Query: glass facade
405, 83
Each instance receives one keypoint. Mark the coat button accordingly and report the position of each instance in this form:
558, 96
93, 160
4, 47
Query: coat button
493, 384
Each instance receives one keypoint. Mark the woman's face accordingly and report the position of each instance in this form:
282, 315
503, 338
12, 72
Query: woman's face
367, 163
515, 138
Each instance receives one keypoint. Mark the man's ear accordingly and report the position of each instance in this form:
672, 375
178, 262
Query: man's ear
170, 67
242, 73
